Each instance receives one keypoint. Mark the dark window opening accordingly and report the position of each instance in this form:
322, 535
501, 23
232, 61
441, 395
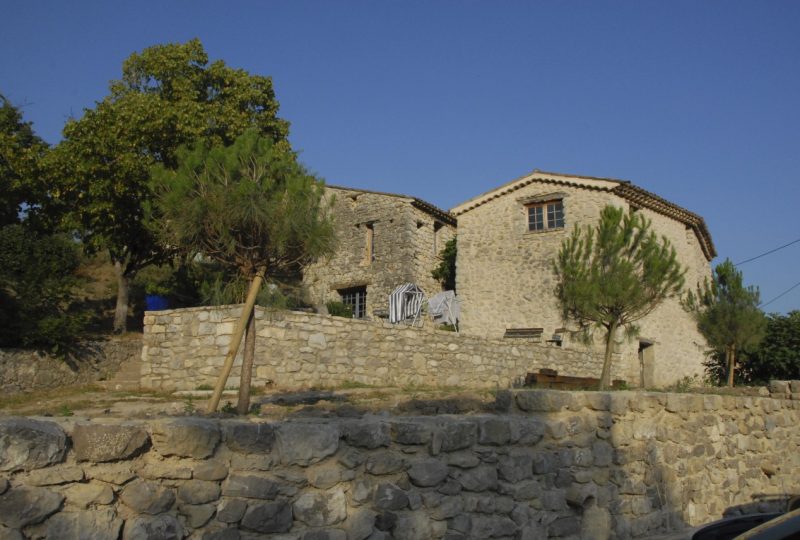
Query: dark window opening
356, 298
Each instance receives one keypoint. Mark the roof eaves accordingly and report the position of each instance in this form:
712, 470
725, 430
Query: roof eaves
644, 198
425, 206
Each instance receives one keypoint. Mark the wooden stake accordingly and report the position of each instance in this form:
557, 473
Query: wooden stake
236, 339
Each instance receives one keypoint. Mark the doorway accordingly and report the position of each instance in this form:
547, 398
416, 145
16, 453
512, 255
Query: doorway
646, 363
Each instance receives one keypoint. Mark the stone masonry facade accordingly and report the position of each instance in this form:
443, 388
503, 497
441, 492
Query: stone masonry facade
544, 464
505, 275
383, 240
185, 348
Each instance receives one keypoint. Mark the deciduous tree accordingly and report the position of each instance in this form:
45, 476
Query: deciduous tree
169, 95
250, 206
613, 274
21, 151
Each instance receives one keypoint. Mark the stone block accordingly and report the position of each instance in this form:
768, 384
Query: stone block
231, 510
543, 400
249, 437
165, 527
86, 495
410, 432
494, 431
481, 478
515, 467
186, 437
250, 487
22, 506
112, 473
304, 444
210, 470
159, 470
321, 509
369, 435
27, 444
388, 496
197, 515
457, 435
385, 463
428, 473
98, 524
147, 497
198, 492
54, 476
272, 517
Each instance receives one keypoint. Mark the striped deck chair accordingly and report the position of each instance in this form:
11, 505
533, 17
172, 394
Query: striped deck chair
405, 302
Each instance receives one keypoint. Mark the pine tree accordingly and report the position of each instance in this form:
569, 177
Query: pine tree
250, 206
727, 314
613, 274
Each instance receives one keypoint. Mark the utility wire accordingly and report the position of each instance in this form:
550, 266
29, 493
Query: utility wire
787, 291
768, 252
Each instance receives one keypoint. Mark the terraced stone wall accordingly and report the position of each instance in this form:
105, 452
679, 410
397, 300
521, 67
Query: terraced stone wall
546, 465
26, 371
185, 348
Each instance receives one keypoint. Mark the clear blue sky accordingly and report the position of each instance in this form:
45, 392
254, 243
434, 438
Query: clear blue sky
698, 102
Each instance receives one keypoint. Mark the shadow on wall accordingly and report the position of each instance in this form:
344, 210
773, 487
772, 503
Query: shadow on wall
559, 467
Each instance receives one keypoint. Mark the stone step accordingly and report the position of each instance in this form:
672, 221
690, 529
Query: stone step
126, 378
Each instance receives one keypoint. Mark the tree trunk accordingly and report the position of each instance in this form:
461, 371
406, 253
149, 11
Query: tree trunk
236, 339
248, 357
121, 311
730, 353
605, 377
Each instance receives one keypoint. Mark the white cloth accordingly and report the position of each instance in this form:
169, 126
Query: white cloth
444, 308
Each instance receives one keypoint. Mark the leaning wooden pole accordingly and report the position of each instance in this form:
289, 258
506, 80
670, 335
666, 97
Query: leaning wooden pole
236, 339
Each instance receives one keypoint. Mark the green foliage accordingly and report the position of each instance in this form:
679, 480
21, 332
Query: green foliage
776, 357
445, 273
37, 277
168, 96
244, 206
339, 309
613, 274
21, 152
727, 315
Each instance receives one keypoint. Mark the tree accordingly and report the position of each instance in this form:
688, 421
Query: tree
37, 277
778, 354
727, 314
169, 95
250, 206
445, 272
21, 151
613, 274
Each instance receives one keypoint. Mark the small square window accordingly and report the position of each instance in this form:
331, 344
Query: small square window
536, 216
356, 298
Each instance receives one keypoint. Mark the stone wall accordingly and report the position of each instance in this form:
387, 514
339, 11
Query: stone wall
26, 371
546, 465
402, 248
505, 277
185, 348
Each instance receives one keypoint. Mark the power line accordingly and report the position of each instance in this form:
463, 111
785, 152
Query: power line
768, 252
787, 291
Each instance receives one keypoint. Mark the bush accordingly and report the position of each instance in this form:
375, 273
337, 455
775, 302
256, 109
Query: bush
37, 281
339, 309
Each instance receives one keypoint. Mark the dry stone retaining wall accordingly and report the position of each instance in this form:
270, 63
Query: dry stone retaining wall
185, 348
25, 371
546, 465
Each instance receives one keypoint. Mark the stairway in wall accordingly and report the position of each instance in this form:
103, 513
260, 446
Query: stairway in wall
127, 378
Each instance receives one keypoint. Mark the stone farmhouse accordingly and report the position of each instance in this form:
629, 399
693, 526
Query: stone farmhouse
509, 236
507, 240
384, 240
